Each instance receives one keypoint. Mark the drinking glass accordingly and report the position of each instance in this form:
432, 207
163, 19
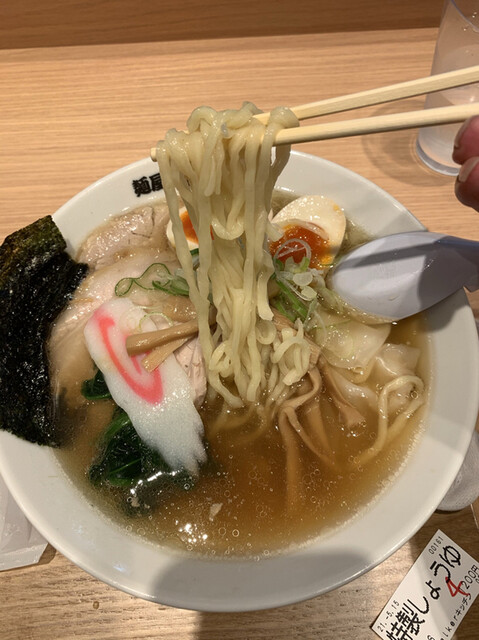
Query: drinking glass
457, 46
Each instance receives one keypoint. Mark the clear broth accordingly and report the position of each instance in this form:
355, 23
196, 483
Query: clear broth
239, 509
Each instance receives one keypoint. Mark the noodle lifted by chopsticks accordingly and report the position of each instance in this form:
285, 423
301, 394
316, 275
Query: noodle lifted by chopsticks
223, 170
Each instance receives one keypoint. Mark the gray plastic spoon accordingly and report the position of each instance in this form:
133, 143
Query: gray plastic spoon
399, 275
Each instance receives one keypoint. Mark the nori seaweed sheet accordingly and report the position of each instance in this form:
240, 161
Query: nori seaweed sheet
37, 278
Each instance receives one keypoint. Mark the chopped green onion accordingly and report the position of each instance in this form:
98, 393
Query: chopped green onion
195, 257
177, 286
308, 293
289, 296
157, 276
123, 286
303, 279
278, 304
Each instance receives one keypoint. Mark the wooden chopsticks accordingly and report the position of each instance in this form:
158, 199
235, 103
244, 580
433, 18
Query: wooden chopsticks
392, 92
377, 124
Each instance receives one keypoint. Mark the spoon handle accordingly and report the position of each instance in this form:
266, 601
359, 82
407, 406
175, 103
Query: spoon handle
468, 250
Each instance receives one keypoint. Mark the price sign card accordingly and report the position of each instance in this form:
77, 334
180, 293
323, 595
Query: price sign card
432, 600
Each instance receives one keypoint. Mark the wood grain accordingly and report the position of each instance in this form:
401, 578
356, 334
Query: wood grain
52, 23
58, 601
69, 116
78, 113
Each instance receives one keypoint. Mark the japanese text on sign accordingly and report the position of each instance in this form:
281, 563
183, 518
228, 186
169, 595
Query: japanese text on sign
435, 595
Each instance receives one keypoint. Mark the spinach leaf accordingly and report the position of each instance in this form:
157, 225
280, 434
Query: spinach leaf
128, 465
139, 477
95, 388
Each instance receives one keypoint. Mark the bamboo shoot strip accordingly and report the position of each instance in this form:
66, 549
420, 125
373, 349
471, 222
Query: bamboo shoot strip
142, 342
159, 354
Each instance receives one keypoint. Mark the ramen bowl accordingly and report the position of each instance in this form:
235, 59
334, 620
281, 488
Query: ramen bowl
67, 519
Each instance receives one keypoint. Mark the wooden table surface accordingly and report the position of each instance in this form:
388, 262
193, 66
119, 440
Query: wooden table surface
69, 115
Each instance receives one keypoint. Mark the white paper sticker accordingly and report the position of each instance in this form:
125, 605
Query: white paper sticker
432, 600
20, 542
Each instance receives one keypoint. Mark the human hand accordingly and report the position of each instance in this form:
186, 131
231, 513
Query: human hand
466, 153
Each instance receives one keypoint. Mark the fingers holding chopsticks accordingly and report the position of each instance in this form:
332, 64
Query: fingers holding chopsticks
466, 153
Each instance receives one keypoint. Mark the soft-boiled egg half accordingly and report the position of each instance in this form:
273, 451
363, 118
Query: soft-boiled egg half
316, 221
313, 220
190, 233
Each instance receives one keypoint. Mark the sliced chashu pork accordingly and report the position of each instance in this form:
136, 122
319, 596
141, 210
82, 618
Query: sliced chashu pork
144, 227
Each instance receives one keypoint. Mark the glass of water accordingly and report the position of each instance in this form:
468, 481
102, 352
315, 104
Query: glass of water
457, 46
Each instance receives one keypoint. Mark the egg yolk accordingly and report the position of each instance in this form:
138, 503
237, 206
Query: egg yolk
320, 252
188, 228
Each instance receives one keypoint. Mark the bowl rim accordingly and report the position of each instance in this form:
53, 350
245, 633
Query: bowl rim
245, 585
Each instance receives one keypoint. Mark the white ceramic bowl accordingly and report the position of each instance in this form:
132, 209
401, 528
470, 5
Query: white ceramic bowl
63, 515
